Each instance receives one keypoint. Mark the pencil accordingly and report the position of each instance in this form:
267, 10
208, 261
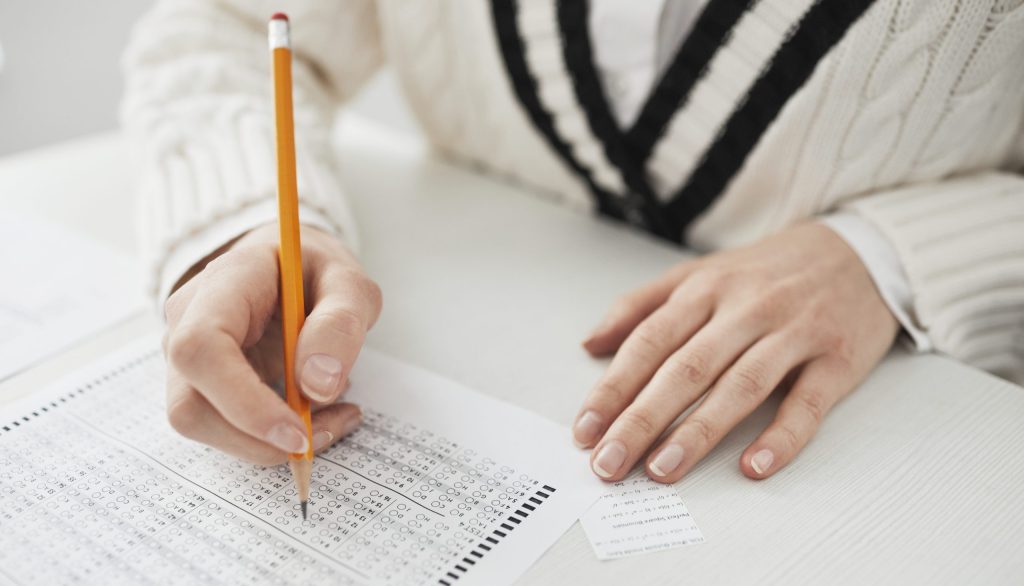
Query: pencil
290, 249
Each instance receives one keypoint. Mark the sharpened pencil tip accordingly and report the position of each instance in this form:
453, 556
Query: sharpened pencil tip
304, 503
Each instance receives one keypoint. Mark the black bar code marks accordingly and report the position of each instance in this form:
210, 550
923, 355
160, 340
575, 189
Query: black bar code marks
522, 512
81, 390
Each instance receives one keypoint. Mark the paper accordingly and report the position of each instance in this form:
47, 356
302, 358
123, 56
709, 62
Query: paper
639, 516
58, 288
440, 485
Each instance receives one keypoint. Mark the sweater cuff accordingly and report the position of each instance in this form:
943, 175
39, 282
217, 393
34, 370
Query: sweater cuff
883, 264
202, 192
961, 243
215, 235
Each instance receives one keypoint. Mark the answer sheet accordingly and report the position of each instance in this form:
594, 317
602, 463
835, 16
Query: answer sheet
440, 485
58, 288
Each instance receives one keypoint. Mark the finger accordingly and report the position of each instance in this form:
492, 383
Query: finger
228, 313
331, 423
266, 356
178, 301
175, 307
346, 305
820, 385
681, 380
191, 415
744, 386
646, 348
631, 309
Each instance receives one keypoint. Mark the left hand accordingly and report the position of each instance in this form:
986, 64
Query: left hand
731, 327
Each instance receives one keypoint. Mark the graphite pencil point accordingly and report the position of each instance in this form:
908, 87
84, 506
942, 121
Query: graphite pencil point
304, 503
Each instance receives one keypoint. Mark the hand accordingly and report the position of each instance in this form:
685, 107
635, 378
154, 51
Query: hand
731, 327
224, 349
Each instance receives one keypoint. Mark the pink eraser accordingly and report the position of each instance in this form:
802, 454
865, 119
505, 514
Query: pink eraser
279, 16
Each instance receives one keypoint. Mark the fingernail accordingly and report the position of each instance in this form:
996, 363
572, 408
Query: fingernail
667, 460
287, 438
610, 459
586, 429
762, 461
320, 377
322, 439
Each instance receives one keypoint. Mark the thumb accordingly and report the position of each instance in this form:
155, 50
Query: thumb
346, 304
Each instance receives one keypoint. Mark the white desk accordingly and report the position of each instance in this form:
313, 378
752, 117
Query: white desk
918, 477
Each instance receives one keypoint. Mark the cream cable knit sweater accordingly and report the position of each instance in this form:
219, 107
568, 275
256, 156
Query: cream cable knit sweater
914, 121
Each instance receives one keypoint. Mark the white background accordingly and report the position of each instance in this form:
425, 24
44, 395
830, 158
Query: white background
61, 77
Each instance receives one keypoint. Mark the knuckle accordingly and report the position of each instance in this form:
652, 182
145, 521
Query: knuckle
713, 277
802, 332
834, 344
790, 437
649, 336
813, 404
343, 322
763, 308
610, 391
751, 380
692, 296
692, 368
679, 294
184, 414
644, 341
703, 428
367, 290
818, 310
787, 288
174, 307
373, 293
640, 423
185, 346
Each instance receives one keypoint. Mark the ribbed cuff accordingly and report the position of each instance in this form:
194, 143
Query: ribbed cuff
215, 235
220, 183
961, 243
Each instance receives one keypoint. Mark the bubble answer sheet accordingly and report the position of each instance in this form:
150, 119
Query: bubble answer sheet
58, 288
440, 485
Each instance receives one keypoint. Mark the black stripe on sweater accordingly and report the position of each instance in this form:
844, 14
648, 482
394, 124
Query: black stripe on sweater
824, 25
511, 43
707, 35
573, 20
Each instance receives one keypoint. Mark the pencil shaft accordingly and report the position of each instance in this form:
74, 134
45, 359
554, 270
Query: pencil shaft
290, 251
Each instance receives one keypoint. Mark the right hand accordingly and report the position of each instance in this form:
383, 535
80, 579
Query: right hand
224, 350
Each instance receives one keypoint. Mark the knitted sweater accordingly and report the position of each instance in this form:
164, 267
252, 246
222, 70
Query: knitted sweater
908, 113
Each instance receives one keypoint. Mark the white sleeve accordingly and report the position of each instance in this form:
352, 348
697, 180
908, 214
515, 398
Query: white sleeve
199, 110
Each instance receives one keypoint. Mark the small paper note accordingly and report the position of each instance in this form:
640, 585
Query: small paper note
639, 516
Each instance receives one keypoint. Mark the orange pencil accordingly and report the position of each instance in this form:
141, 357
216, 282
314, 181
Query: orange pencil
290, 251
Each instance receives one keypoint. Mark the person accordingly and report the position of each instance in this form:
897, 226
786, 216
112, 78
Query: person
852, 170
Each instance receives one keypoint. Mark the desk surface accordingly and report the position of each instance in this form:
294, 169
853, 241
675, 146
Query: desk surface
917, 477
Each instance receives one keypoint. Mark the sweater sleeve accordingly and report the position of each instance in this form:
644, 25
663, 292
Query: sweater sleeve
199, 110
961, 242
